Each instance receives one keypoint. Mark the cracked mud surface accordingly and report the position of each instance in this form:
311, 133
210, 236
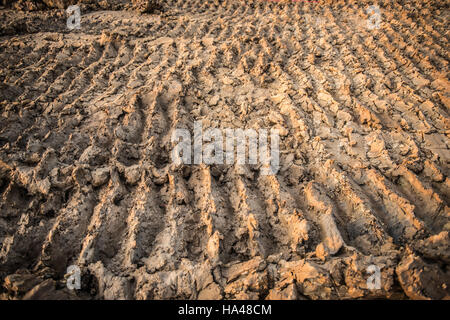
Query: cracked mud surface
86, 177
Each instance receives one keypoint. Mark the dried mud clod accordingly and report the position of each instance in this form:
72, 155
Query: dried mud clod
147, 6
421, 280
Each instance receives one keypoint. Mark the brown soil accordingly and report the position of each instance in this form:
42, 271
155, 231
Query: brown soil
86, 177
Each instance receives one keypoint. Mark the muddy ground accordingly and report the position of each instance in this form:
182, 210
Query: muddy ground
86, 177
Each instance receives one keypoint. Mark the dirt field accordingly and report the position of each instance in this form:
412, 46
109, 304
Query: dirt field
86, 176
